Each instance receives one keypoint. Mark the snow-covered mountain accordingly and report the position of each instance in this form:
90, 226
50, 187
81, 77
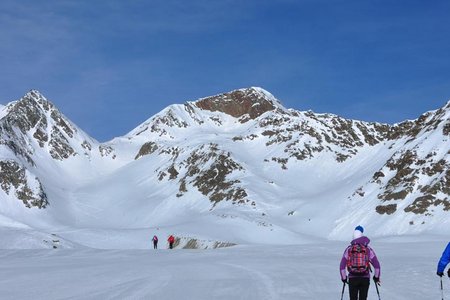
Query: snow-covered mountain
236, 167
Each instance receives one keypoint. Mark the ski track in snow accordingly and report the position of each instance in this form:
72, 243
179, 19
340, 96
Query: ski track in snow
266, 284
242, 272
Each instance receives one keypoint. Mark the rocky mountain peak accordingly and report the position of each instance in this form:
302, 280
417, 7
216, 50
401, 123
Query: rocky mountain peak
34, 111
36, 118
27, 112
246, 104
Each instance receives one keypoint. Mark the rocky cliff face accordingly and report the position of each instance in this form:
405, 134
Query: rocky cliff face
245, 104
207, 169
16, 181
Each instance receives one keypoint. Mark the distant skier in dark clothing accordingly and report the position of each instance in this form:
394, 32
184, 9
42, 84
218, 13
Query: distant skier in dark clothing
155, 242
171, 240
356, 260
443, 262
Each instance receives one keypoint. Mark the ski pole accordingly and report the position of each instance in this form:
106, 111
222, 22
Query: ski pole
343, 288
442, 289
378, 292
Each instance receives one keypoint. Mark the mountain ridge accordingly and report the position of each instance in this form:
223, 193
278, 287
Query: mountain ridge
239, 157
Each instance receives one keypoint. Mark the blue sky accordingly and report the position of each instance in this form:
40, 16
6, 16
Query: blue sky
110, 65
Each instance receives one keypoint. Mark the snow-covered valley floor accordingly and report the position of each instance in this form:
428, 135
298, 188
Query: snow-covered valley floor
243, 272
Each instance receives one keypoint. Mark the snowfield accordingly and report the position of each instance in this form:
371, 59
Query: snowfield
307, 271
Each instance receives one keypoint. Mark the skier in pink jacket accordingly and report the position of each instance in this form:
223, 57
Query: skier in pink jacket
356, 261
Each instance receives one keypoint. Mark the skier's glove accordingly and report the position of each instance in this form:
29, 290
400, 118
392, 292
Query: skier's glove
439, 274
344, 280
376, 280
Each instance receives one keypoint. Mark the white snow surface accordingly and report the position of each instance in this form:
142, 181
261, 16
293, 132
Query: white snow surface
308, 272
3, 111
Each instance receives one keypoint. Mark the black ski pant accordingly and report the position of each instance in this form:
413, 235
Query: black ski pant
155, 245
358, 286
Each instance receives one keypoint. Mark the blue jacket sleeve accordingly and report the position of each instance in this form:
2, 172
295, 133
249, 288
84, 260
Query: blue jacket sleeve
445, 259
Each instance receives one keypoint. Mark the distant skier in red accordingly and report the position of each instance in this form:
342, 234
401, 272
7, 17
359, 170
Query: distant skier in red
171, 240
155, 242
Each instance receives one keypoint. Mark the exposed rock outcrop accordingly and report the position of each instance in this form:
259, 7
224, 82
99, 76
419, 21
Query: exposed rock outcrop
16, 180
247, 103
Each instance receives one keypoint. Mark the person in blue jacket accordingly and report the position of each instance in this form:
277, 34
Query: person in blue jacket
443, 262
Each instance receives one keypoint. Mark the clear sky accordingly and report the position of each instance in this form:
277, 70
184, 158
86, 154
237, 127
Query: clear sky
110, 65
